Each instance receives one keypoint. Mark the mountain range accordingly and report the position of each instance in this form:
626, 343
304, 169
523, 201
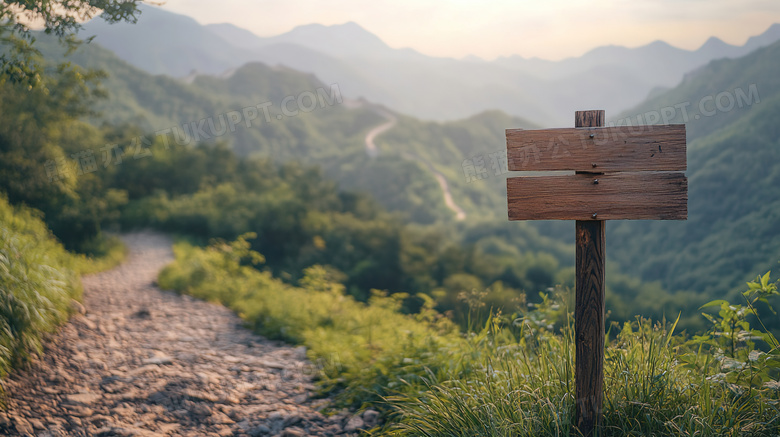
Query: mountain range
731, 112
731, 233
545, 92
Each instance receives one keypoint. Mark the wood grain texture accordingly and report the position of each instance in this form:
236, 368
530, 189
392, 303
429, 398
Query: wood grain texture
619, 148
591, 252
589, 325
616, 196
592, 118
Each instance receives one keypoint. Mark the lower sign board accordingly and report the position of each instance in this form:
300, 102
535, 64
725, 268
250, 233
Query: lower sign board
615, 196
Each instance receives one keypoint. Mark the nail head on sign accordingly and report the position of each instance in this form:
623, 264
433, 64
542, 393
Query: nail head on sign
592, 135
595, 215
595, 181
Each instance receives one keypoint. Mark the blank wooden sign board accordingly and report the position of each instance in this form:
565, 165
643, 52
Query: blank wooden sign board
621, 173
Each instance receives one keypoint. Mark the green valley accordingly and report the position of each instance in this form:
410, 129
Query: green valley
361, 244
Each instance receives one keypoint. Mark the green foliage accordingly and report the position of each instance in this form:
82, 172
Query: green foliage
207, 191
723, 241
37, 284
363, 349
733, 340
100, 254
514, 376
331, 137
447, 145
301, 220
680, 266
734, 204
39, 135
652, 387
20, 59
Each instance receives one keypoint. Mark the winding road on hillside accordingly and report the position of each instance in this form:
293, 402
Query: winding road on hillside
460, 214
373, 151
139, 361
378, 130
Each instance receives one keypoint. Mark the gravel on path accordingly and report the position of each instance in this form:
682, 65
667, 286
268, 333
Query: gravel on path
140, 361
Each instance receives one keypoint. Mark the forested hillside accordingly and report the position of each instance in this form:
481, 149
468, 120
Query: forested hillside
734, 174
140, 162
469, 154
332, 135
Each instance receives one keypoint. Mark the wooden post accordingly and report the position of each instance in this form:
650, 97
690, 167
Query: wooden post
621, 173
589, 310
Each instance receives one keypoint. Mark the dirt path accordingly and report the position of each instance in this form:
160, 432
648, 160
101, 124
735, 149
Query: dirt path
460, 214
378, 130
372, 151
146, 362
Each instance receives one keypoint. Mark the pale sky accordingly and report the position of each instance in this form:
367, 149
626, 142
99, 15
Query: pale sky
549, 29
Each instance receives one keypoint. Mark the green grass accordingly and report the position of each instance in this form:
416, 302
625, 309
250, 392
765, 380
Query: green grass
511, 377
528, 391
363, 349
38, 281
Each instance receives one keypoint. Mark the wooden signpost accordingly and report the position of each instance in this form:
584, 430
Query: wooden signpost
621, 173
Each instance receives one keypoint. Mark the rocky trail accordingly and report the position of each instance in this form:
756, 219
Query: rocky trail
139, 361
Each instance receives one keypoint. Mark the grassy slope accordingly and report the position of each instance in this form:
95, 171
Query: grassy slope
512, 378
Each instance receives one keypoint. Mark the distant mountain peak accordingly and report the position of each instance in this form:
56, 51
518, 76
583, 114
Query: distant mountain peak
659, 43
349, 26
237, 36
769, 36
338, 40
773, 29
225, 25
350, 29
713, 42
310, 26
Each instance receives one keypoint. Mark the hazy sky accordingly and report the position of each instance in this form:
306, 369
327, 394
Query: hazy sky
550, 29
